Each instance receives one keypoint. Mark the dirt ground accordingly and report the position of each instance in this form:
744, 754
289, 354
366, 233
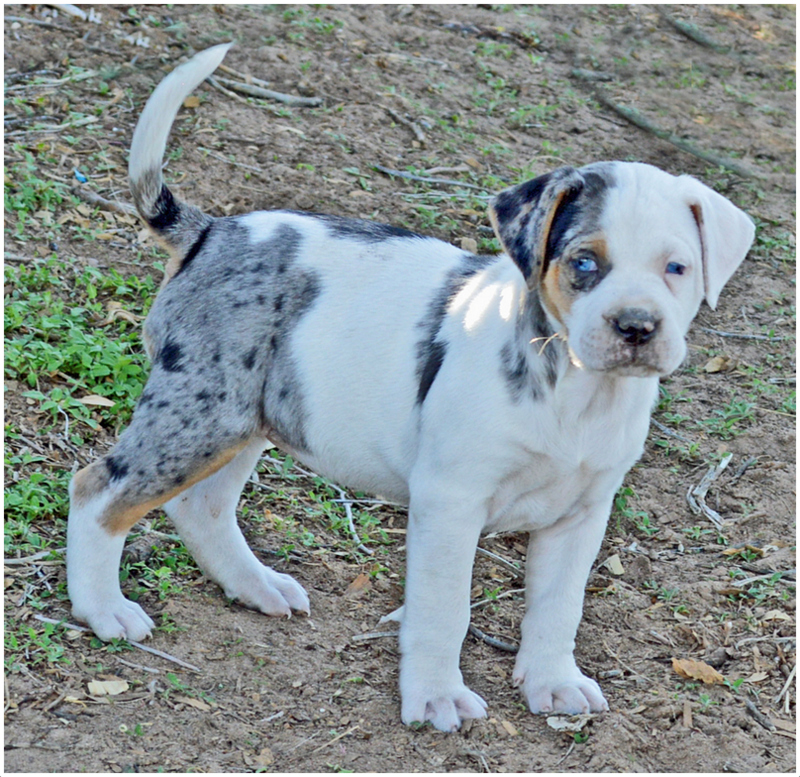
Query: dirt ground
498, 93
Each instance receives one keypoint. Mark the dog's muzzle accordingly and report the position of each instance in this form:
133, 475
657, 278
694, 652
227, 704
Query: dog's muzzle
634, 326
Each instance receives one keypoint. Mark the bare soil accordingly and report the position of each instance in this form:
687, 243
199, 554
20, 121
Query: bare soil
305, 695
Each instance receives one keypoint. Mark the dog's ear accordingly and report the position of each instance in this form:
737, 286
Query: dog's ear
522, 217
726, 234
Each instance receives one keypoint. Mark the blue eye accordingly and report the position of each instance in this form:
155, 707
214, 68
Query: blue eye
675, 268
584, 264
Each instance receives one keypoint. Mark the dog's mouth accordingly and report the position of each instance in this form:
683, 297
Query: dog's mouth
624, 361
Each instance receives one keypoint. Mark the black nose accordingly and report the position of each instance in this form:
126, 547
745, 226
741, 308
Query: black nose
635, 326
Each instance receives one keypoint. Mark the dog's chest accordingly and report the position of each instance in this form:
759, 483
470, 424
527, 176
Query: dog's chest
572, 461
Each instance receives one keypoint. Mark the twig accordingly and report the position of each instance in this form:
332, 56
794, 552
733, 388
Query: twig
141, 667
222, 158
503, 595
759, 716
347, 508
30, 559
741, 335
636, 118
95, 199
414, 127
696, 497
228, 93
139, 645
492, 641
424, 179
591, 75
374, 635
664, 430
692, 32
269, 94
335, 739
500, 560
786, 684
26, 20
248, 79
743, 468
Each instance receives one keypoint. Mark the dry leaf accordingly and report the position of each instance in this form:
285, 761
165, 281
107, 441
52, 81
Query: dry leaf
509, 728
359, 585
718, 364
94, 399
265, 758
198, 704
107, 687
776, 615
192, 101
757, 677
614, 565
696, 670
469, 244
568, 722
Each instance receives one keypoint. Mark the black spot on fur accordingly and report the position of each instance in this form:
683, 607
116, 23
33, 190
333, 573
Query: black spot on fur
436, 354
170, 357
162, 404
167, 211
278, 305
249, 359
430, 349
117, 469
364, 231
197, 246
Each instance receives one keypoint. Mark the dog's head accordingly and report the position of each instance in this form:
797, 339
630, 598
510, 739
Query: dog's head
621, 255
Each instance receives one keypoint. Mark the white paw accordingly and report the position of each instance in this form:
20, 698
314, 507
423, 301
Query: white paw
270, 592
571, 692
116, 618
444, 708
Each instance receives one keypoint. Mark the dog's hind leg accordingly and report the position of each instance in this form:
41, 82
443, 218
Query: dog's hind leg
178, 437
205, 517
106, 499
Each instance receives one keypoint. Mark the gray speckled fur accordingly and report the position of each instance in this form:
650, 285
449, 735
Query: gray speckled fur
222, 369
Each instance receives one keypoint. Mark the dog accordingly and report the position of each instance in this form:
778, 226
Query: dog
489, 393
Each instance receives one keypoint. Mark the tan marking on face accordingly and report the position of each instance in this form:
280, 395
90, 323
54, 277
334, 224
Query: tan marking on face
124, 512
557, 303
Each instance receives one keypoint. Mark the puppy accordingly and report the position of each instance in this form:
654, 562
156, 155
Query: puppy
489, 393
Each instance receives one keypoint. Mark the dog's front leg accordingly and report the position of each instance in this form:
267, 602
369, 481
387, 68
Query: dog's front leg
558, 564
441, 541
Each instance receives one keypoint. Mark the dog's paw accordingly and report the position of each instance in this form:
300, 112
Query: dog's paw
573, 693
445, 710
270, 592
117, 619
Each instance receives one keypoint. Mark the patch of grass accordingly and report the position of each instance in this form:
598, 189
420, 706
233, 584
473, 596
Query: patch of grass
625, 512
62, 342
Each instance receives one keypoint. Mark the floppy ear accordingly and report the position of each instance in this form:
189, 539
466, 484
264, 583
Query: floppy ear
522, 217
726, 234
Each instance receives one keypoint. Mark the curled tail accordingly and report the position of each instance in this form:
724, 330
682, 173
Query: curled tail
176, 223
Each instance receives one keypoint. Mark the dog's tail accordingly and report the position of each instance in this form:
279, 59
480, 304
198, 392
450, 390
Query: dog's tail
176, 223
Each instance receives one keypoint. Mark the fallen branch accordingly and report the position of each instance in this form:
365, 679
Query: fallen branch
692, 32
418, 133
95, 199
786, 685
374, 635
741, 335
492, 641
336, 739
664, 430
758, 716
696, 497
636, 118
139, 645
424, 179
503, 562
26, 20
269, 94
